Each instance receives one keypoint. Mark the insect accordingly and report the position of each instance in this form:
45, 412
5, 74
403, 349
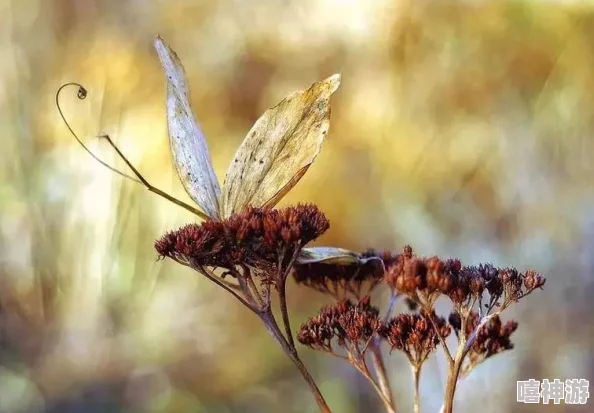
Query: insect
275, 154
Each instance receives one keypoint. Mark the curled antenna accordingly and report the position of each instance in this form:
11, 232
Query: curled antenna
138, 178
82, 94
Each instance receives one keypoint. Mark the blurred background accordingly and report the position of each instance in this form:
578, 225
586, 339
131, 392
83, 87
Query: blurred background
463, 128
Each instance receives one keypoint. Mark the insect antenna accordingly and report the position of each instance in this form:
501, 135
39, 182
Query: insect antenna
138, 178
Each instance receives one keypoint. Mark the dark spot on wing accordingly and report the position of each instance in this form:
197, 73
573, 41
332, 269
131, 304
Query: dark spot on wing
261, 161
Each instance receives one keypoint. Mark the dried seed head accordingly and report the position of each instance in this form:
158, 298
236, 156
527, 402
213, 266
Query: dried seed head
430, 277
477, 284
459, 294
407, 273
415, 335
257, 237
490, 339
347, 323
435, 272
533, 280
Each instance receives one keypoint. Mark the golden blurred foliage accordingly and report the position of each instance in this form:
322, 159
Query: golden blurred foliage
463, 128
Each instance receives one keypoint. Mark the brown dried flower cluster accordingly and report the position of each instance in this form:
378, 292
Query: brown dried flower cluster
427, 278
415, 334
342, 280
420, 282
257, 237
352, 325
490, 339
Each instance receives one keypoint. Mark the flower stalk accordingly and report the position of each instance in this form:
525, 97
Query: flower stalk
274, 330
416, 372
259, 248
380, 370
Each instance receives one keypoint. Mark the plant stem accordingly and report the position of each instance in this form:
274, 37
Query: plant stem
362, 367
463, 349
273, 328
416, 370
254, 290
480, 325
442, 341
454, 372
393, 298
282, 295
219, 282
380, 370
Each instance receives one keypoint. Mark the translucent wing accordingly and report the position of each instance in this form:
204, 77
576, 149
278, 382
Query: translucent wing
188, 145
279, 149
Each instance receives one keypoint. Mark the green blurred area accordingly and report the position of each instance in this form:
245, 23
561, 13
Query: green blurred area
461, 128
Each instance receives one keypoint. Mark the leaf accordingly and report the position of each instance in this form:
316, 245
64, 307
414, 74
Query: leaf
328, 255
188, 144
279, 149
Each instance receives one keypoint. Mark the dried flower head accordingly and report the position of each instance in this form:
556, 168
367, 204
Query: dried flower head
354, 279
407, 273
415, 335
533, 280
259, 238
424, 279
503, 285
490, 339
352, 325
